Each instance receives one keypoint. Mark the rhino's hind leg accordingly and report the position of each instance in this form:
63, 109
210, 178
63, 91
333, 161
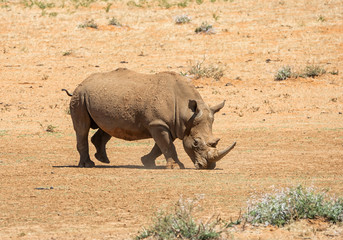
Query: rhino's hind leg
82, 124
99, 139
165, 143
149, 159
83, 149
82, 129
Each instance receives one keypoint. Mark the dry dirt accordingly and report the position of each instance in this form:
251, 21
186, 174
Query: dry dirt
288, 132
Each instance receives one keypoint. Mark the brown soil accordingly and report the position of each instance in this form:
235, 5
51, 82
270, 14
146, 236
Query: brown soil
287, 132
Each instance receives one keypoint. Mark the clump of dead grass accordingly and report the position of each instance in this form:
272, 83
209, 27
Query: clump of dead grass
199, 70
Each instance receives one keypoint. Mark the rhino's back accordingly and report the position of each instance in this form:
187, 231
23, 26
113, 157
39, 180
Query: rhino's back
124, 103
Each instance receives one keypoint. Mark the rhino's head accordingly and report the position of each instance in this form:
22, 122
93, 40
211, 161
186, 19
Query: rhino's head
198, 142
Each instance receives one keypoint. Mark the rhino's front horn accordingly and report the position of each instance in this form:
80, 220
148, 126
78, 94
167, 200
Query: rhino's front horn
220, 154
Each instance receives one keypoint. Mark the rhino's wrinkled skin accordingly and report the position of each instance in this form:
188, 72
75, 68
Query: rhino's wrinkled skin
131, 106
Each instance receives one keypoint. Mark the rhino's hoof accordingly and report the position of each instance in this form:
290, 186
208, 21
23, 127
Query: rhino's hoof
88, 164
181, 166
170, 166
102, 158
147, 162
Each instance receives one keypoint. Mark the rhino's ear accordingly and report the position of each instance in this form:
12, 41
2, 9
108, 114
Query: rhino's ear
217, 108
193, 105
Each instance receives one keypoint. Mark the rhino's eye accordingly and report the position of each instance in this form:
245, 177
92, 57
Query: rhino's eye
196, 142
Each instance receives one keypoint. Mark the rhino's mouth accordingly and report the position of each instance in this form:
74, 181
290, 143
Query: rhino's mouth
200, 162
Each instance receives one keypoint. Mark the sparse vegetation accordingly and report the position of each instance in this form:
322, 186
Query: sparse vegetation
89, 24
279, 208
215, 16
334, 72
312, 71
181, 224
291, 204
309, 71
82, 3
283, 73
40, 4
164, 4
43, 5
67, 53
3, 132
321, 19
183, 4
205, 28
140, 4
114, 22
50, 128
53, 14
161, 3
182, 19
108, 7
200, 71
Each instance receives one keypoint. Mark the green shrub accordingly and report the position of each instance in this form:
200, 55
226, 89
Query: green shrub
309, 71
283, 73
334, 72
288, 205
181, 224
321, 18
108, 7
140, 4
183, 4
89, 23
312, 71
67, 53
205, 28
82, 3
164, 4
114, 22
182, 19
50, 128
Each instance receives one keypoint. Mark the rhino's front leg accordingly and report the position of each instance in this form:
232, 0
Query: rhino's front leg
149, 159
165, 143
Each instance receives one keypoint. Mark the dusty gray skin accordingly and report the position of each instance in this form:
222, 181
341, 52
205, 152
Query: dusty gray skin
132, 106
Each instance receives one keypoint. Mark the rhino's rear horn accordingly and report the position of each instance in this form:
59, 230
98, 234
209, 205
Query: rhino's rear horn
221, 153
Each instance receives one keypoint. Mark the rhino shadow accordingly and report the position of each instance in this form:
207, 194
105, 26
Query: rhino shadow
127, 167
117, 166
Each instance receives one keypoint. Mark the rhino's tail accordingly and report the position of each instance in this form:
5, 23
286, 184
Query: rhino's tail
68, 93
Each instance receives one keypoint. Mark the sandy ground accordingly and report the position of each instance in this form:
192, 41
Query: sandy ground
287, 132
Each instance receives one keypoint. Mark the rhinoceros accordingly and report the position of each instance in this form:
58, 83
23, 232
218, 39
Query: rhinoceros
132, 106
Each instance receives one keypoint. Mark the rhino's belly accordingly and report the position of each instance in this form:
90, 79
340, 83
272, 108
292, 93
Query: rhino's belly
128, 134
